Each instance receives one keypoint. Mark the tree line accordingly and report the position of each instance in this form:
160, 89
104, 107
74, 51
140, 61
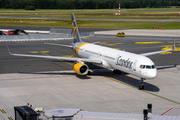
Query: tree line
86, 4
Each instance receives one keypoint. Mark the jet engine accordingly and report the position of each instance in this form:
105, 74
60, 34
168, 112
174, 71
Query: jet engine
81, 68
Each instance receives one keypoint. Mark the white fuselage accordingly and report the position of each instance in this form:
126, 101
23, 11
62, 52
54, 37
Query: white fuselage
135, 64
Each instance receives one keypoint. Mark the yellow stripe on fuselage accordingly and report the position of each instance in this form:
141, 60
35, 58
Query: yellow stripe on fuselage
79, 47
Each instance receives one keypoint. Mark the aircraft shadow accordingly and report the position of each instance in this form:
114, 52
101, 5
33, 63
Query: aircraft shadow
58, 73
49, 73
99, 71
83, 77
107, 73
125, 79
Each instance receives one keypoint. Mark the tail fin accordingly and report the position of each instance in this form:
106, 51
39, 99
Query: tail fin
75, 30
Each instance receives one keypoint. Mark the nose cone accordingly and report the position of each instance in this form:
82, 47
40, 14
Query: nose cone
152, 73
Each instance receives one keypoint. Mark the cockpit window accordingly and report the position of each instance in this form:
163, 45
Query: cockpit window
148, 66
153, 66
142, 66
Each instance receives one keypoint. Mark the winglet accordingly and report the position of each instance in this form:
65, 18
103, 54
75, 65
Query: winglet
173, 48
8, 49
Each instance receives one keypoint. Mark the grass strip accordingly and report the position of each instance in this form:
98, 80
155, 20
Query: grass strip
165, 15
137, 13
90, 24
134, 10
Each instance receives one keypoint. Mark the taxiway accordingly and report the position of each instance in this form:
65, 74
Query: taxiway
53, 84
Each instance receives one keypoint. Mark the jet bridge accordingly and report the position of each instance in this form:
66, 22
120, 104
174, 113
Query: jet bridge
25, 113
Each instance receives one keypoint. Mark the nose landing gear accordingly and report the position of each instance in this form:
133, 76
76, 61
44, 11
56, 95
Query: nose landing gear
141, 86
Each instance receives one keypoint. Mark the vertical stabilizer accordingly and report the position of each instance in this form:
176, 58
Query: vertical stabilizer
75, 30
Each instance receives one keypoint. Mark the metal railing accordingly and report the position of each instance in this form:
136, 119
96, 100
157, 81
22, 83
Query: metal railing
6, 38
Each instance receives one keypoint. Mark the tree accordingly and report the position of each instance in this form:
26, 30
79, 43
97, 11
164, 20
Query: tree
86, 4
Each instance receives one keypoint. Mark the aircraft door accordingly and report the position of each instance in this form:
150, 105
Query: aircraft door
135, 65
117, 58
100, 55
83, 51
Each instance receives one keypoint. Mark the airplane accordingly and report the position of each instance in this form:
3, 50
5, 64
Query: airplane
136, 64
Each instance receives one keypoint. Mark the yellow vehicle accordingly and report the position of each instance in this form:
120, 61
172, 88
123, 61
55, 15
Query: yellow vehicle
120, 34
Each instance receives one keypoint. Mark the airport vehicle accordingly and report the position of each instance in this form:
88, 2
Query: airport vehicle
16, 32
136, 64
2, 33
120, 34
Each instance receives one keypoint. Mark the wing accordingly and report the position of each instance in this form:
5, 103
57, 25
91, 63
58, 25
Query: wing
157, 52
56, 57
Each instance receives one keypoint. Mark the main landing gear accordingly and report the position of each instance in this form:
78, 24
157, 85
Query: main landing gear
141, 86
89, 72
117, 72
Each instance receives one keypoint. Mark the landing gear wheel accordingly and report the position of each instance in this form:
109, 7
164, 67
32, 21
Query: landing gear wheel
89, 73
141, 86
117, 72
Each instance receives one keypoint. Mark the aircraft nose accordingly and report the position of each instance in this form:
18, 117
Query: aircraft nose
152, 74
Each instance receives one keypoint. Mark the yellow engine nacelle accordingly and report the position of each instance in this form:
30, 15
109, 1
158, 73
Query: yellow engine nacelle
81, 68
